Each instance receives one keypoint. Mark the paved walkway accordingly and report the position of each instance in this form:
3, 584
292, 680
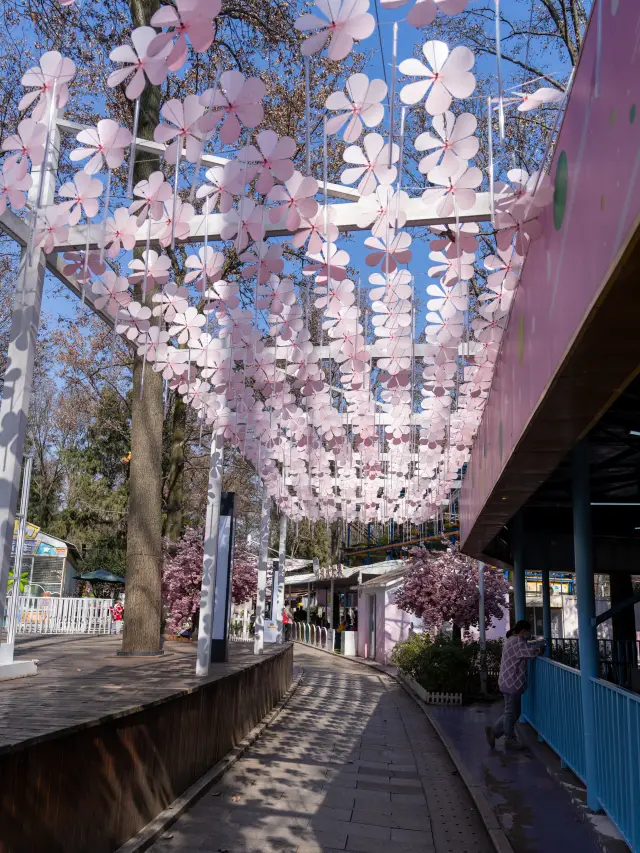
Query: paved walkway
541, 807
82, 679
350, 764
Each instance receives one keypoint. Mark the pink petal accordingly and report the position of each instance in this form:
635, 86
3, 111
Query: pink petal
423, 14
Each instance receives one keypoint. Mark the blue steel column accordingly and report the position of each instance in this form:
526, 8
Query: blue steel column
517, 546
546, 611
586, 610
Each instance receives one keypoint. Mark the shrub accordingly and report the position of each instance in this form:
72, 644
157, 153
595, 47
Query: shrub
443, 665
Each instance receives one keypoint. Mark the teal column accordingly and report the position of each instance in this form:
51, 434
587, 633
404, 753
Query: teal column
546, 611
517, 546
586, 610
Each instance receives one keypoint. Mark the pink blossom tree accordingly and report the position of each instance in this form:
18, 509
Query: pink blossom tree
442, 586
182, 577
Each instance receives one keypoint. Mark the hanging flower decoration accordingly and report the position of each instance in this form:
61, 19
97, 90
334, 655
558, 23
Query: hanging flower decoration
371, 166
139, 63
360, 106
455, 142
270, 159
181, 125
104, 143
52, 72
344, 22
237, 103
84, 192
446, 76
187, 20
27, 142
14, 183
424, 12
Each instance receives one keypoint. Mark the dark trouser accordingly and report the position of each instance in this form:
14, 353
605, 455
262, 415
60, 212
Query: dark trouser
506, 724
287, 631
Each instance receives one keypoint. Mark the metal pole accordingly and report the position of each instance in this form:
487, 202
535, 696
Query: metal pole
331, 597
517, 546
483, 631
210, 558
18, 373
13, 606
586, 611
546, 611
261, 596
308, 603
223, 580
282, 558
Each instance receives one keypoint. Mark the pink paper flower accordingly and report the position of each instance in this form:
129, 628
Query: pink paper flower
104, 143
315, 231
505, 268
391, 287
187, 324
133, 321
447, 76
371, 166
53, 70
385, 210
298, 202
451, 269
270, 158
424, 12
112, 292
138, 62
346, 21
14, 183
247, 220
27, 142
189, 20
158, 269
330, 260
205, 266
225, 182
52, 227
84, 192
183, 128
275, 293
153, 193
447, 300
170, 301
361, 105
75, 265
531, 101
457, 189
265, 256
180, 228
236, 104
455, 142
448, 238
120, 232
389, 254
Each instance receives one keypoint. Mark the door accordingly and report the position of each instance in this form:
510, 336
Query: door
372, 627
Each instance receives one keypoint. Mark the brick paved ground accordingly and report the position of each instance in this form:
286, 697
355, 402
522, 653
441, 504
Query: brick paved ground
82, 678
351, 764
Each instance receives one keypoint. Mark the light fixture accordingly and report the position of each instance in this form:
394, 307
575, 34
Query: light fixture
634, 432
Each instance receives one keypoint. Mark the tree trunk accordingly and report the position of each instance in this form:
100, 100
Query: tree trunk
142, 623
175, 480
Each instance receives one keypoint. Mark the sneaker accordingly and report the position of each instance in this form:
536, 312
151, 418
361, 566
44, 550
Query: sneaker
491, 736
512, 745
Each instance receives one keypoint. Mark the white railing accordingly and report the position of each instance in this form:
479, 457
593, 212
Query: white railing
63, 615
314, 635
239, 634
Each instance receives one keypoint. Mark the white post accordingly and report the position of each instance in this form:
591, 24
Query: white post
282, 556
261, 597
483, 633
308, 604
330, 604
207, 590
14, 603
18, 374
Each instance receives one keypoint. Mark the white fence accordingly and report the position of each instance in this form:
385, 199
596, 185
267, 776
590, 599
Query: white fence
313, 635
63, 615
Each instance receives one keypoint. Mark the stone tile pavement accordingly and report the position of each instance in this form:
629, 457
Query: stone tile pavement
350, 764
82, 678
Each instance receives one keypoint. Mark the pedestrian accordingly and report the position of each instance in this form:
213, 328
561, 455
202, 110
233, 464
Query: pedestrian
286, 623
117, 615
513, 682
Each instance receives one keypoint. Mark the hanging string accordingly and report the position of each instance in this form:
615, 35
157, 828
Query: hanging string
392, 96
44, 168
203, 139
499, 74
492, 203
307, 114
175, 192
132, 150
105, 214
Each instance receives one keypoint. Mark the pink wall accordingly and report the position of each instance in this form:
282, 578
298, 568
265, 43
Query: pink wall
392, 626
598, 154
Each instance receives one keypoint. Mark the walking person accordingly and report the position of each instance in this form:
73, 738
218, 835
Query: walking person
513, 682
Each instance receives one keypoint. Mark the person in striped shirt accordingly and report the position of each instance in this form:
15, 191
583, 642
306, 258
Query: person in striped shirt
512, 682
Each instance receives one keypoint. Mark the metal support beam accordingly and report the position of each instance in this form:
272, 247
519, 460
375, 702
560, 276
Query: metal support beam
346, 216
278, 606
546, 611
261, 595
483, 630
224, 571
517, 546
586, 612
18, 374
210, 558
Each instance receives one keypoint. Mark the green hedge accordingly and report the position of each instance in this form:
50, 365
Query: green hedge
441, 664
